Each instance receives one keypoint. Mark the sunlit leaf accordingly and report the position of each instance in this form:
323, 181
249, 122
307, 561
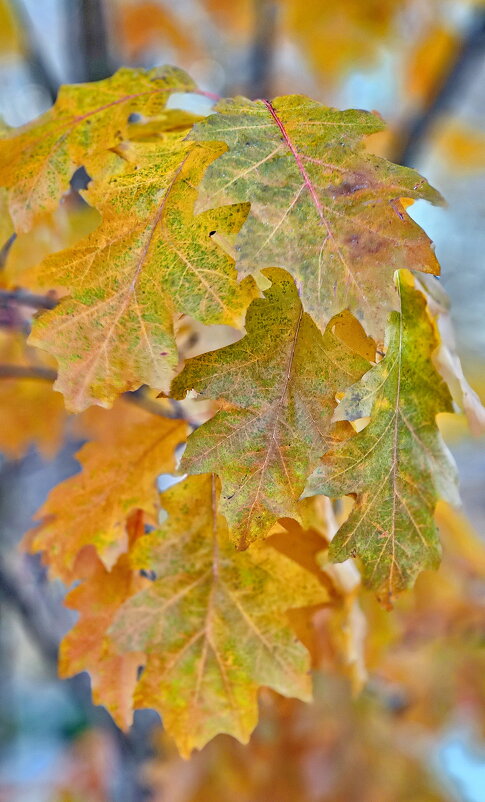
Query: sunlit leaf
148, 262
37, 163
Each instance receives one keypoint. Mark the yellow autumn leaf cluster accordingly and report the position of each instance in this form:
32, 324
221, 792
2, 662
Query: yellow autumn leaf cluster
269, 231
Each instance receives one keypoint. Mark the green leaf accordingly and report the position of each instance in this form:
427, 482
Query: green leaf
398, 465
278, 387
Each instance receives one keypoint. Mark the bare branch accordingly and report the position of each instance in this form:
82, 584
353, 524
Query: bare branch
137, 397
26, 298
472, 48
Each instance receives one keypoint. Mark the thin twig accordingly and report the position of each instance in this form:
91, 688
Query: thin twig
5, 250
25, 298
137, 397
27, 372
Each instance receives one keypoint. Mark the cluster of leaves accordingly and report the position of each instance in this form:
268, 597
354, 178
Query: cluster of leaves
272, 219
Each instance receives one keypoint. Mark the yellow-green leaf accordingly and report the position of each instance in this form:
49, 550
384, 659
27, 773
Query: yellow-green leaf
213, 622
321, 207
398, 465
279, 383
148, 262
37, 162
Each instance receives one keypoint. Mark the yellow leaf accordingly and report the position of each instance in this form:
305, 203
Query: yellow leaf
37, 163
117, 477
148, 262
213, 622
87, 647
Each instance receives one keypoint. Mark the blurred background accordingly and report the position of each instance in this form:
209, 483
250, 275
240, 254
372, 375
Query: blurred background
416, 733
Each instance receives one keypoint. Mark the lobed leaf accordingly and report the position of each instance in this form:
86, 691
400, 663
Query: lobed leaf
279, 383
398, 465
37, 163
87, 647
213, 621
321, 207
148, 262
117, 477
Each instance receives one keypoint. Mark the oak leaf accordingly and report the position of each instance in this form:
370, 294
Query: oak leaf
37, 163
279, 383
148, 262
321, 207
398, 465
117, 477
87, 647
213, 621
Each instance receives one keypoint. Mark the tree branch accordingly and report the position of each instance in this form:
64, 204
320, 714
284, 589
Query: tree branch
472, 47
133, 746
261, 52
27, 372
36, 62
137, 397
26, 608
25, 298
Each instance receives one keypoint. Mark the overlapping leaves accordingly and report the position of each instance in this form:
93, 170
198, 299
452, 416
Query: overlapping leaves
287, 188
278, 385
320, 206
149, 261
398, 466
214, 627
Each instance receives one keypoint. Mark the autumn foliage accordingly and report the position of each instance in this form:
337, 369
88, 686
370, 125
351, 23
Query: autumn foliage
307, 416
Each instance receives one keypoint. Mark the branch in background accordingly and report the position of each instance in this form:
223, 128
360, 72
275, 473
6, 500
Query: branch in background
13, 593
25, 298
27, 372
261, 52
38, 67
93, 60
137, 397
133, 747
5, 250
472, 48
